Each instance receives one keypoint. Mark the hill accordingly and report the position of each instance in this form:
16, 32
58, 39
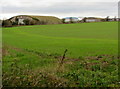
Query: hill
34, 20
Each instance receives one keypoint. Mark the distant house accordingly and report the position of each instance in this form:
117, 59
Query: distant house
114, 19
117, 19
93, 19
111, 19
34, 20
70, 19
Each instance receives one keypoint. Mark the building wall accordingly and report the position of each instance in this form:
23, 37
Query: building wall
93, 20
90, 20
67, 20
118, 19
74, 20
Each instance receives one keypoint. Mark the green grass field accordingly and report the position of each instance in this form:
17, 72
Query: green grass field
91, 59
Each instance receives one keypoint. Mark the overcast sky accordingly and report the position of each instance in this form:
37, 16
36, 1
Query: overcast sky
59, 8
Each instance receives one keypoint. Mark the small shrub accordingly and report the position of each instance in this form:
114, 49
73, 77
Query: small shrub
6, 23
27, 22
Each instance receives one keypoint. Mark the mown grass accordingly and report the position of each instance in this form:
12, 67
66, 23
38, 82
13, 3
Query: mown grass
32, 54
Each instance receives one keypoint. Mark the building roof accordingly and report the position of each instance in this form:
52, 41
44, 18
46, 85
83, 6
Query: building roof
93, 18
70, 18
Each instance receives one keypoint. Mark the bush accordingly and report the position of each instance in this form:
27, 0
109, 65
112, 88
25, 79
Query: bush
63, 20
14, 23
27, 22
32, 22
6, 23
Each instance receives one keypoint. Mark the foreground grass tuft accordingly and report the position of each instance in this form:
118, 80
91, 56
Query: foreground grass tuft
46, 72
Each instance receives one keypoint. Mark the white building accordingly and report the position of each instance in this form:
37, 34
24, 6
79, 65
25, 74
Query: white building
71, 19
93, 19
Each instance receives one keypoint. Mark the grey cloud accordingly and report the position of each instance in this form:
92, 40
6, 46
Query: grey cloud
100, 8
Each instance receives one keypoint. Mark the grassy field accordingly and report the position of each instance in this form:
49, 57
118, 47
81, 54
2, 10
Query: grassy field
32, 55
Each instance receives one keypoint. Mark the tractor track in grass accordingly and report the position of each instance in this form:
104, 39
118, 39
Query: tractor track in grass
45, 55
51, 74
